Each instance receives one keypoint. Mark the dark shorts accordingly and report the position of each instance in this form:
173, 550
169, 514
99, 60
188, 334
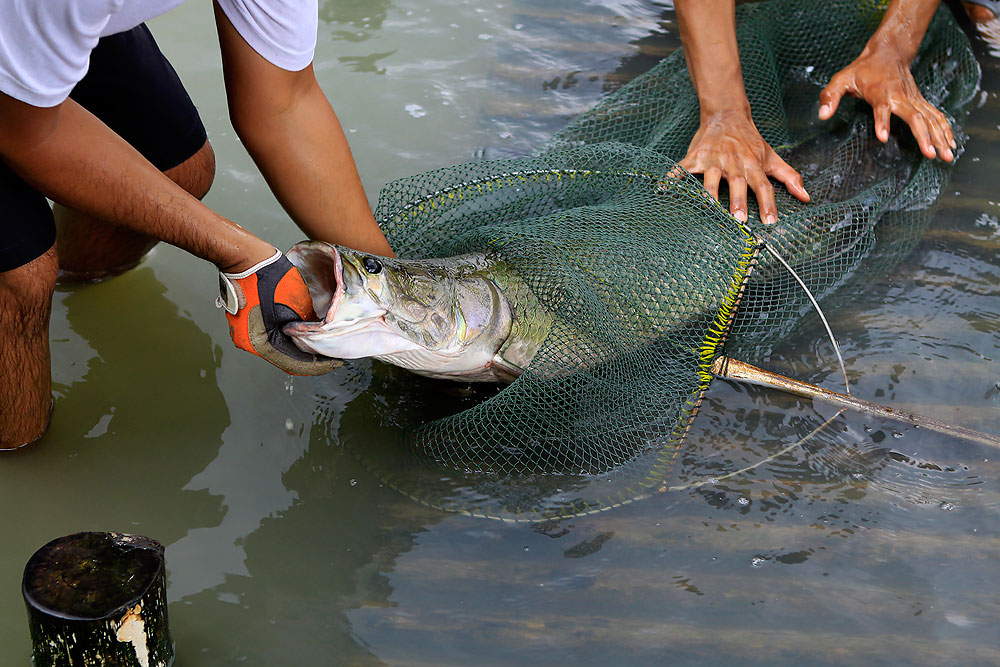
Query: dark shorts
133, 89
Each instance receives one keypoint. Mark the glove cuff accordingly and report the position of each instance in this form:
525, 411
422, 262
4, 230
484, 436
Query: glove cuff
256, 267
231, 295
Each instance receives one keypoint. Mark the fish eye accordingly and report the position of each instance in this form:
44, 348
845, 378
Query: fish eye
372, 265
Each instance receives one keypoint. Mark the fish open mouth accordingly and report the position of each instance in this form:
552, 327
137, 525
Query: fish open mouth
353, 323
322, 270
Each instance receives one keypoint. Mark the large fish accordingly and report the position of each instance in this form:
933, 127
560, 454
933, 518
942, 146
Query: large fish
454, 318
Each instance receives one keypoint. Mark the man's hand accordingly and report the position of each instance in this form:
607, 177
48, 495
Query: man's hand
883, 79
728, 145
262, 299
881, 76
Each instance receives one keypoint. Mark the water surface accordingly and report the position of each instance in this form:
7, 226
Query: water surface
871, 543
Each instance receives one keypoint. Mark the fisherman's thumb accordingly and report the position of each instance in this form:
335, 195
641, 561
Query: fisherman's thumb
829, 98
277, 349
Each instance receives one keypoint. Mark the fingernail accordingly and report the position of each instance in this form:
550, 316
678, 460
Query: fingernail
741, 216
823, 110
770, 219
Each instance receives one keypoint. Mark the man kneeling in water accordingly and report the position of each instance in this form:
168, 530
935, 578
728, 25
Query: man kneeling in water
93, 117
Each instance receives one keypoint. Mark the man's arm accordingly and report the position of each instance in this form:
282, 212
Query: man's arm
881, 76
727, 144
294, 137
73, 158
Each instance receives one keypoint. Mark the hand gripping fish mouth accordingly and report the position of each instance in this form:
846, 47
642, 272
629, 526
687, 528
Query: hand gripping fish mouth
442, 318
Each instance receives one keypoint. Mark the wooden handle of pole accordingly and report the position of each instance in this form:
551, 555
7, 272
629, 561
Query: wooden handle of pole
731, 369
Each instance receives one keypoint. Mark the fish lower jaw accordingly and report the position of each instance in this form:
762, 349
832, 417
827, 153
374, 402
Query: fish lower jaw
444, 364
366, 338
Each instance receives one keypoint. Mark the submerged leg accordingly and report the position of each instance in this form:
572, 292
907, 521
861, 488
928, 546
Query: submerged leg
985, 16
982, 11
25, 376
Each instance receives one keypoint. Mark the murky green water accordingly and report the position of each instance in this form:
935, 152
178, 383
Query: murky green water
871, 544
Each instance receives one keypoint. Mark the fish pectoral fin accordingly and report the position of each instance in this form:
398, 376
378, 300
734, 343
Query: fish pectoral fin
505, 370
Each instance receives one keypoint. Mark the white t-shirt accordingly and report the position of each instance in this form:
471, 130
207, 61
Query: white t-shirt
45, 45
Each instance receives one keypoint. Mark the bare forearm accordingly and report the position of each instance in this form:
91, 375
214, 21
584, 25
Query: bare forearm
305, 158
708, 32
903, 27
293, 135
74, 159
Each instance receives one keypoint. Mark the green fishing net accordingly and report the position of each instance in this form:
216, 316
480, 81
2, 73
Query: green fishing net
643, 278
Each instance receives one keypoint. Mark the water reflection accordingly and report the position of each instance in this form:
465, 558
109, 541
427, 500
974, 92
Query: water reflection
248, 476
836, 477
124, 391
324, 551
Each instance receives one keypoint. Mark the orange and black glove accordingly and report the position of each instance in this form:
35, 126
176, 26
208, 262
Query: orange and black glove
259, 302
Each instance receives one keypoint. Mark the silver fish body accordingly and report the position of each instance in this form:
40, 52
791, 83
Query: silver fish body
459, 318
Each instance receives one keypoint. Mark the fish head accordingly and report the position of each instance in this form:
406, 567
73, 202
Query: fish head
423, 315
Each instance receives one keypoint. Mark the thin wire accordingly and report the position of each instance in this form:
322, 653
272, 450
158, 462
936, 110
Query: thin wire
819, 311
604, 508
800, 441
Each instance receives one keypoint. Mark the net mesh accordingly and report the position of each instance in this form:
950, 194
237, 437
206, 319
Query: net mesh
636, 278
